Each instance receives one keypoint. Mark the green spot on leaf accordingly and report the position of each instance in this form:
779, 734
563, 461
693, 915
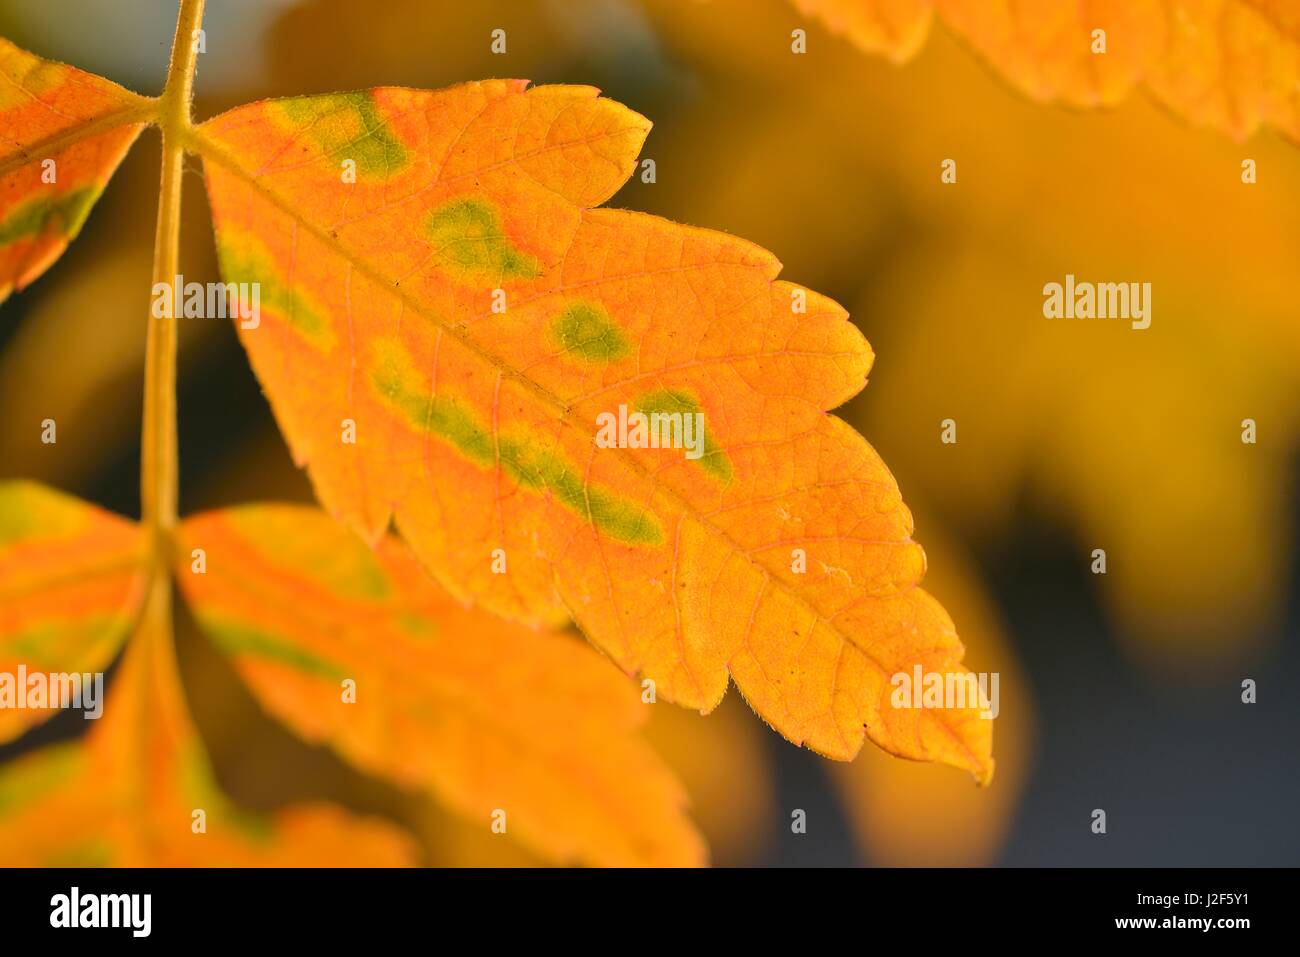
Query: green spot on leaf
62, 214
236, 638
46, 644
523, 457
586, 332
537, 467
468, 238
675, 401
244, 259
330, 555
349, 126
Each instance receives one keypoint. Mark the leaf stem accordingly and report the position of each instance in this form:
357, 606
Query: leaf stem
158, 460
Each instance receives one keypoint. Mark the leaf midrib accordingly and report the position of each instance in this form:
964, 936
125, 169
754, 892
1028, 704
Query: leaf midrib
102, 568
141, 112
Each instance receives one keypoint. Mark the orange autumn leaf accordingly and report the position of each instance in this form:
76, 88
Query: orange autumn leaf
65, 131
896, 29
1233, 65
72, 579
446, 318
128, 795
488, 716
723, 766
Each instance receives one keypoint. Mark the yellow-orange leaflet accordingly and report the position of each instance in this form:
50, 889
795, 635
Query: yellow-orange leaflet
72, 579
445, 318
138, 792
1230, 64
65, 131
529, 730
